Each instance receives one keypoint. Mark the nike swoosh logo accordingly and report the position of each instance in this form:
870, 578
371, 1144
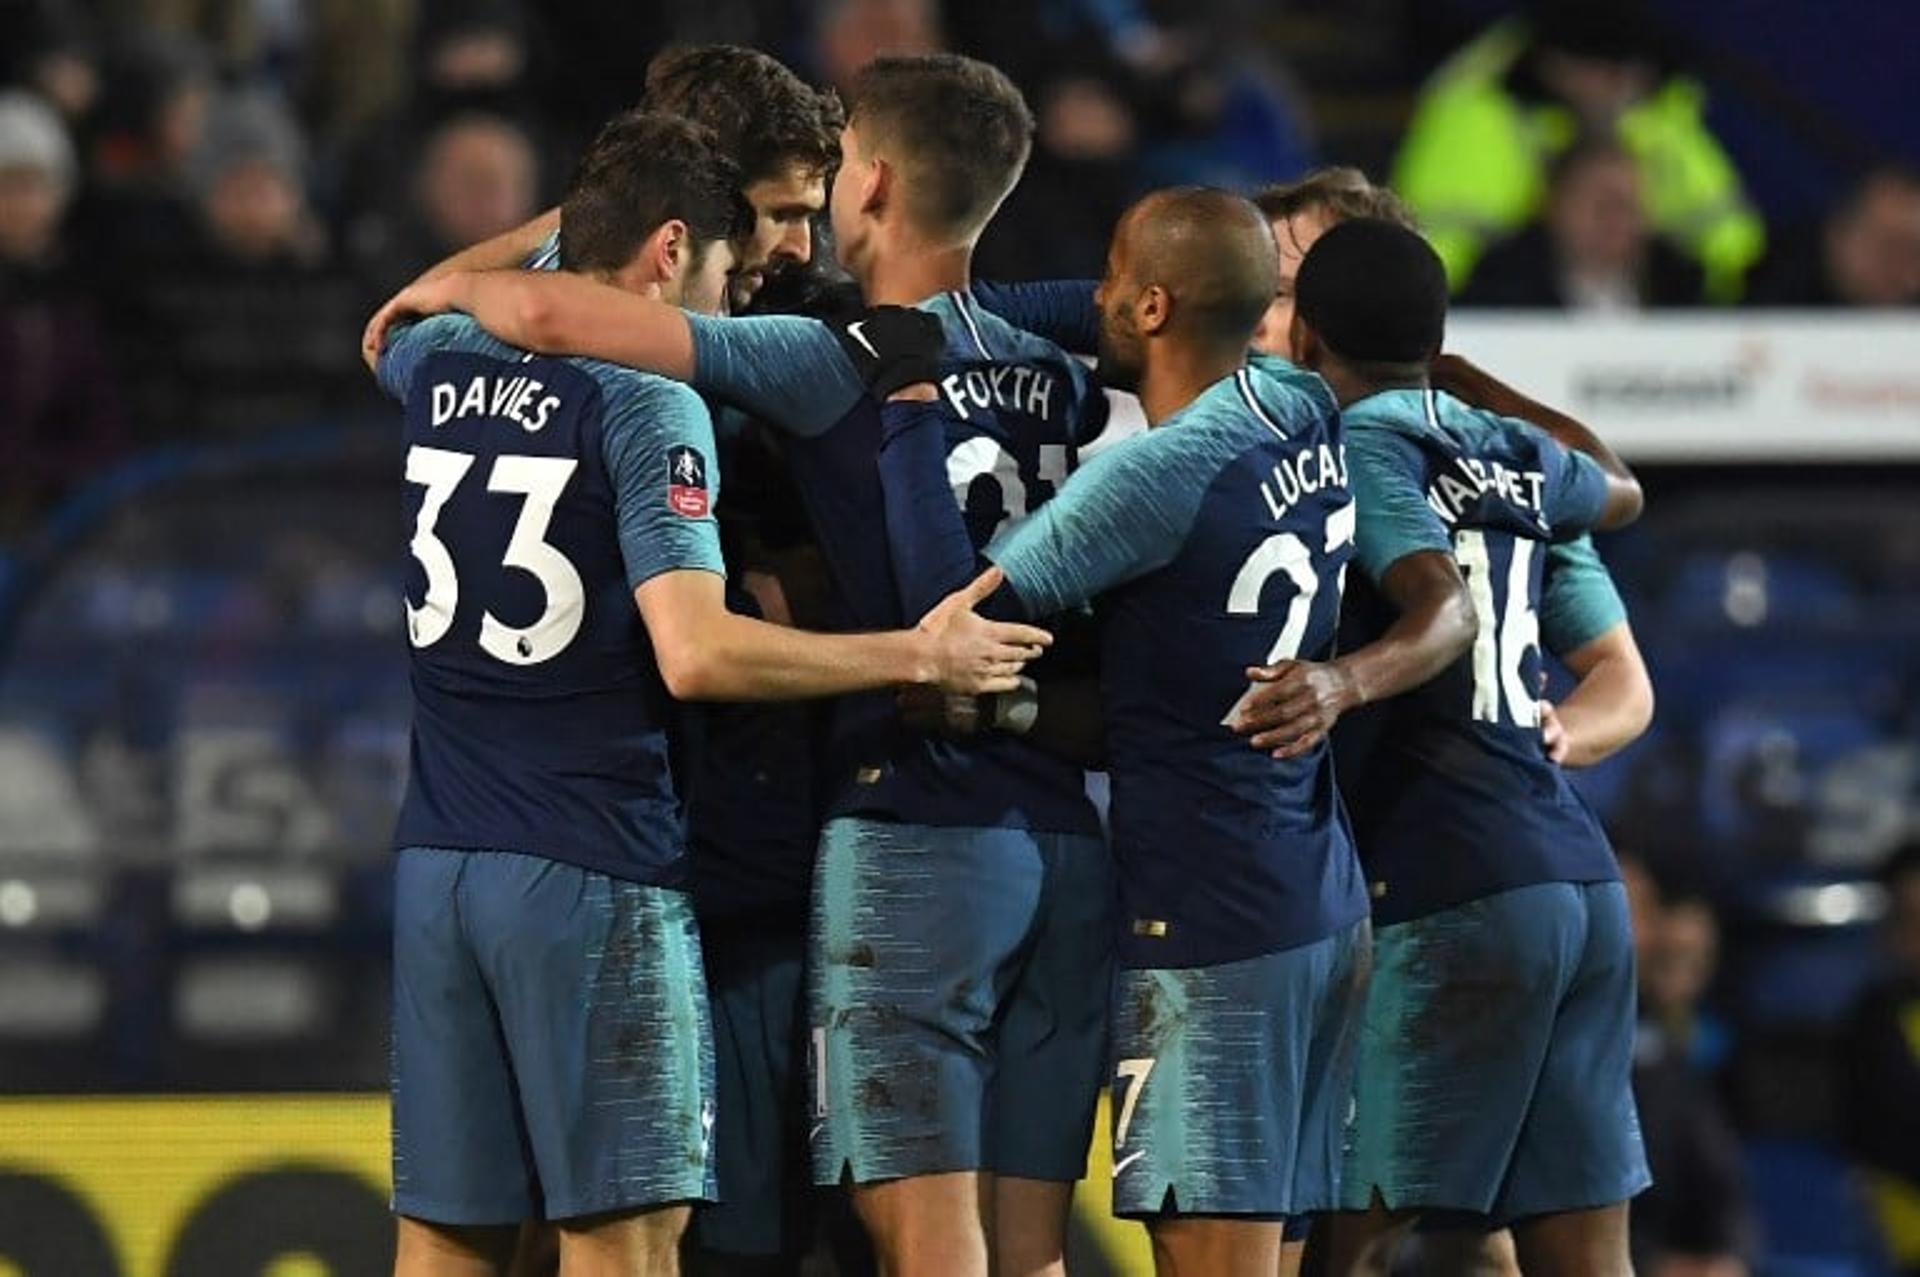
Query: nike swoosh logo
814, 1134
1127, 1161
853, 331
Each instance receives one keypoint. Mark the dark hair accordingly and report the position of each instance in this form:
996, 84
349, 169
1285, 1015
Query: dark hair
1340, 191
766, 117
1374, 292
643, 170
959, 124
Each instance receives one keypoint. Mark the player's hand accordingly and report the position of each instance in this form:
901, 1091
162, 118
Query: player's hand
1290, 707
893, 347
932, 712
1553, 734
416, 301
970, 655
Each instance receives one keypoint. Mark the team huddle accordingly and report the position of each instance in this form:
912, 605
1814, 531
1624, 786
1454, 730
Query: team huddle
748, 840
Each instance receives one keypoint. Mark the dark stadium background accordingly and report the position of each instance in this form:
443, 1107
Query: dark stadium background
203, 707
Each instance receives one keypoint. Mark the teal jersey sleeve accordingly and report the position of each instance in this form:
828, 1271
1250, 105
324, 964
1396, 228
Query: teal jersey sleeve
547, 256
657, 438
1578, 600
787, 370
408, 345
1385, 471
1120, 516
1574, 503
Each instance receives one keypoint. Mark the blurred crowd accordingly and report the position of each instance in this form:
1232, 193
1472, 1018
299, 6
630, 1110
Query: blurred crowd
199, 199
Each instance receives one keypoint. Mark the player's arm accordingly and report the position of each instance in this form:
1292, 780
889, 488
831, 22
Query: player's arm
1059, 711
657, 441
1584, 623
505, 250
896, 353
401, 356
554, 313
708, 653
1293, 705
1475, 385
1061, 310
1122, 515
1404, 547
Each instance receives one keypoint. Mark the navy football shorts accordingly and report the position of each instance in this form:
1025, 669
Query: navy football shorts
552, 1056
1496, 1064
1232, 1084
958, 990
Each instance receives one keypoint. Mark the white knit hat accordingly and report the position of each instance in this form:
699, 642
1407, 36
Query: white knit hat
32, 137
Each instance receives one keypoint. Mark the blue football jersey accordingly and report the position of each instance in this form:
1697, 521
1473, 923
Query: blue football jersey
1453, 796
753, 816
1021, 407
1216, 541
751, 770
541, 492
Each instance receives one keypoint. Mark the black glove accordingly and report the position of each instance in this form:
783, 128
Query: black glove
893, 347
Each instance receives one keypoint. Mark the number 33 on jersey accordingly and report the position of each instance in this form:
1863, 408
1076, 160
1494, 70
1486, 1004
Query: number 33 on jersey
539, 493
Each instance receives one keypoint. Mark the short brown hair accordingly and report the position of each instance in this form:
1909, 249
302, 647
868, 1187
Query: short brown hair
1343, 192
961, 126
645, 169
767, 118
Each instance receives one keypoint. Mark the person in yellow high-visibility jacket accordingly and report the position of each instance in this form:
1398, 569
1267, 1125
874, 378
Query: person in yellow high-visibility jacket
1489, 123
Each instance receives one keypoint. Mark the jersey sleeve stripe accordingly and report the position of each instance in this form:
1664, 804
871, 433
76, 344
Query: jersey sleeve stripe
964, 306
1245, 383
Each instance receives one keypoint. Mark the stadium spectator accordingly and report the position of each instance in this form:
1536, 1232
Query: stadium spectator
1880, 1068
49, 49
1591, 249
1475, 159
354, 71
1866, 255
1696, 1220
136, 208
57, 401
1678, 976
242, 334
848, 34
470, 60
478, 175
1059, 218
1223, 114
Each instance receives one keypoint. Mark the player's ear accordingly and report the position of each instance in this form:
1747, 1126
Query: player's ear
1304, 342
876, 185
1153, 309
672, 248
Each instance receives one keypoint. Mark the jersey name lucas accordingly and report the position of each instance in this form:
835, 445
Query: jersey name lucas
1302, 475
